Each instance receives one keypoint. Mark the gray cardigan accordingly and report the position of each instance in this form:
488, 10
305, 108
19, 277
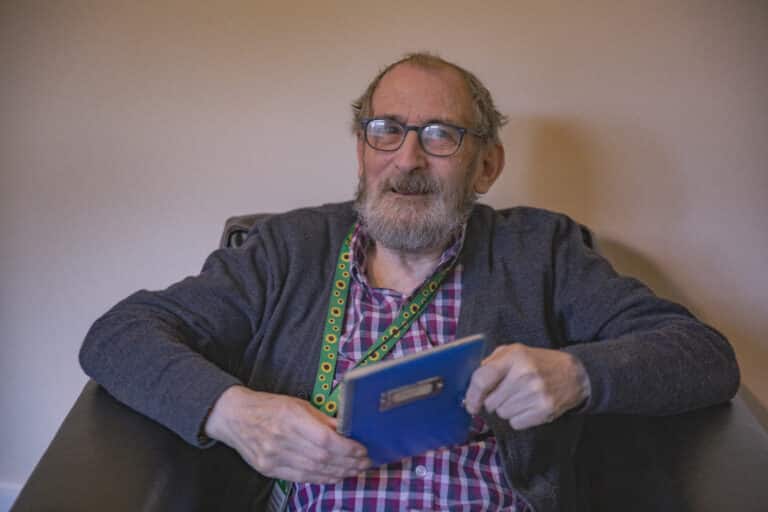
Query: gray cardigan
255, 315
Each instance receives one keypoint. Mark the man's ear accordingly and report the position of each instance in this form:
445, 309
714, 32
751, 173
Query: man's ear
491, 166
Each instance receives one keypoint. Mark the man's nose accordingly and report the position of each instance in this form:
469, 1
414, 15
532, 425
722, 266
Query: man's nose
411, 155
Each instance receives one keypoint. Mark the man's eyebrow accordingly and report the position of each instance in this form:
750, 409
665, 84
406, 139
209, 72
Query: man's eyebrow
399, 119
443, 121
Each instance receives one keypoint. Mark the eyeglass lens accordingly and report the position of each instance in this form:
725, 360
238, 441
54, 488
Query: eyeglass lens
436, 138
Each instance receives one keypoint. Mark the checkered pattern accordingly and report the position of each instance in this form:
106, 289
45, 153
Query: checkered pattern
464, 477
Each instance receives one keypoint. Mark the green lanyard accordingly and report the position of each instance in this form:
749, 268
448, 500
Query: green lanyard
323, 396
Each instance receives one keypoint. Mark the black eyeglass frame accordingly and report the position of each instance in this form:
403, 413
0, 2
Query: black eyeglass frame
419, 130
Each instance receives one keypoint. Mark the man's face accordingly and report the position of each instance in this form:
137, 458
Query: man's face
409, 200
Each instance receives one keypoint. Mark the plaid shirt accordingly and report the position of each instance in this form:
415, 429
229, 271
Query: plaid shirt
466, 477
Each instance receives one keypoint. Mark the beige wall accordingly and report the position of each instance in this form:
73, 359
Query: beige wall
128, 133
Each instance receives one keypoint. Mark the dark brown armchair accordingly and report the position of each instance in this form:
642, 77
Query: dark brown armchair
108, 457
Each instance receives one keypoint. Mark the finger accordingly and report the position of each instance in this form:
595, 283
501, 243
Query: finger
323, 457
322, 432
318, 441
529, 419
308, 435
345, 447
505, 401
339, 446
528, 411
515, 384
502, 362
513, 407
297, 466
483, 381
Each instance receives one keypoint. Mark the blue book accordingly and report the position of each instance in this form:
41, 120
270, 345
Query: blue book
406, 406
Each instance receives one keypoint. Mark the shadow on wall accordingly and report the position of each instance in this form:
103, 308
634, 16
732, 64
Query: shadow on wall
622, 182
629, 261
612, 177
560, 167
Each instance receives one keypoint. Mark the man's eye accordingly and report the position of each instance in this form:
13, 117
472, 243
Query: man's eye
442, 133
385, 128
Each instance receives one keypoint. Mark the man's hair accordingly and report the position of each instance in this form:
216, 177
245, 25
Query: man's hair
487, 121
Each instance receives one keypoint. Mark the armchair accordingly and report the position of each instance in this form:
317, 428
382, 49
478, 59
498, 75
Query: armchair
107, 457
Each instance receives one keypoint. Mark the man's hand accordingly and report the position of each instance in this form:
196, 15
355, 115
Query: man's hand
527, 386
284, 437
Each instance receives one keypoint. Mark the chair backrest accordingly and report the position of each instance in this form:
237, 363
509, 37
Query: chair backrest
236, 230
586, 235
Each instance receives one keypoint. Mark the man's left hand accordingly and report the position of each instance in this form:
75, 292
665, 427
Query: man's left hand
527, 386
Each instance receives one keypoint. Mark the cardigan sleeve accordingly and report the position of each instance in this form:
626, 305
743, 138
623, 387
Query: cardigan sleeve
170, 354
642, 354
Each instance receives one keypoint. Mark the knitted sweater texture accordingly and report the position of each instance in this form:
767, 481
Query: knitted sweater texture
255, 315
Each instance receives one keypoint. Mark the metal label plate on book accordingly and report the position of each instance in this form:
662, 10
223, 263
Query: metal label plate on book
410, 393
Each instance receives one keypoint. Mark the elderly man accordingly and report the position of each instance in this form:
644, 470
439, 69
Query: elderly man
232, 354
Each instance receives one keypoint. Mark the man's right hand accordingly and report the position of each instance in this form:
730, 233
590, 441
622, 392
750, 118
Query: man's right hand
284, 437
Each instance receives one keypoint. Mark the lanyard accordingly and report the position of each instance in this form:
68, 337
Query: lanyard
325, 398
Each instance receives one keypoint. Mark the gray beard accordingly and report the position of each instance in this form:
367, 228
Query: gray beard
408, 226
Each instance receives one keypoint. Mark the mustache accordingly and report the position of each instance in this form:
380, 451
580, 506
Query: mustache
413, 183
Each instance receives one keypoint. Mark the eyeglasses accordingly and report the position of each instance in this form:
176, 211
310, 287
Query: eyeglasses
436, 139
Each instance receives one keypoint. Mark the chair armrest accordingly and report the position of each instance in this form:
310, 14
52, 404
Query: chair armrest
711, 459
105, 456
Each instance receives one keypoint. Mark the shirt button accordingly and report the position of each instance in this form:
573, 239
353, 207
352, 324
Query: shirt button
420, 471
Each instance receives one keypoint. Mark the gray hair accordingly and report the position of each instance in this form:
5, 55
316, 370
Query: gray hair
488, 120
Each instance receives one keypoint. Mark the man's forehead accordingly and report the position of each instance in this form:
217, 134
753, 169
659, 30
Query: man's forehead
418, 94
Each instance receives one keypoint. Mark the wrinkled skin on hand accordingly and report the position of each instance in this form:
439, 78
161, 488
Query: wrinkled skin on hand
284, 437
527, 386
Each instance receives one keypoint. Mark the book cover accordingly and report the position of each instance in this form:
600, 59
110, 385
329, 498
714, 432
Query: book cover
406, 406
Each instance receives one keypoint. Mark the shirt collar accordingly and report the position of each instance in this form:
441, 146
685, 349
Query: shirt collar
360, 242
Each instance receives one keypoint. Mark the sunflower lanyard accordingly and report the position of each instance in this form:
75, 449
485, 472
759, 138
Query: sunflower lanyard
325, 398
